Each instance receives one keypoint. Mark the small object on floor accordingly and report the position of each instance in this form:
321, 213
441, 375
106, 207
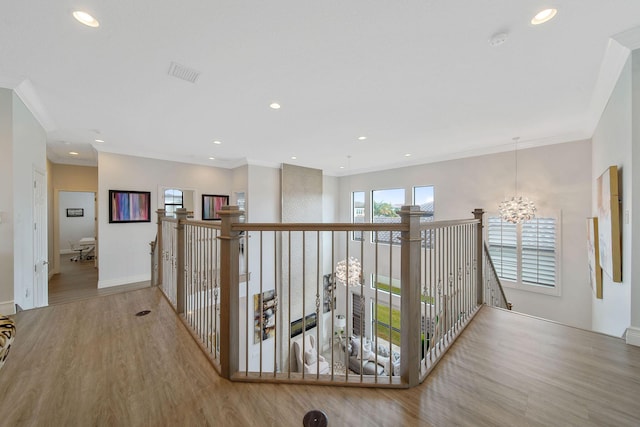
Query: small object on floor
315, 418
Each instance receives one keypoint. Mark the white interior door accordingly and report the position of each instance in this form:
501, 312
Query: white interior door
40, 253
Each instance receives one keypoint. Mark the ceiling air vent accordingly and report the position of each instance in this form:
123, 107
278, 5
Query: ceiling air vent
182, 72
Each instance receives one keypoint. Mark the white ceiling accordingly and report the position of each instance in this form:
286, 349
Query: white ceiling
414, 76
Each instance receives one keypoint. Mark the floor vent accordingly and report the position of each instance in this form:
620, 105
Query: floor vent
182, 72
143, 313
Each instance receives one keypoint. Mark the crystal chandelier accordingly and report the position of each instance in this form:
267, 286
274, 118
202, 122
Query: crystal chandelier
517, 209
350, 274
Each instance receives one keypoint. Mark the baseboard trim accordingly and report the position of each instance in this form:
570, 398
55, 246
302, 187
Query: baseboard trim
123, 281
633, 336
7, 307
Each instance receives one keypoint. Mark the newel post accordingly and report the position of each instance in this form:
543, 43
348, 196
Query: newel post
478, 213
410, 356
229, 291
181, 215
158, 250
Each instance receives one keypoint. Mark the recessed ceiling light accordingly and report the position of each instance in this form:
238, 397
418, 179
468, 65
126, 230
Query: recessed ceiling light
293, 157
408, 155
274, 105
362, 138
212, 158
217, 142
341, 167
73, 153
544, 16
86, 19
99, 140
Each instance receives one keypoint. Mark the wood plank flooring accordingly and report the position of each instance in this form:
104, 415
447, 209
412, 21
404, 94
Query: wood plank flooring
94, 363
79, 280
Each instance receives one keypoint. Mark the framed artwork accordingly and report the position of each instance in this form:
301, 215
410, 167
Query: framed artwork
211, 205
609, 241
328, 287
73, 212
264, 314
129, 206
595, 271
309, 322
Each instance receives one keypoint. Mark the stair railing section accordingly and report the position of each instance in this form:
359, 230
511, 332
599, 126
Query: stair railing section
449, 278
202, 284
345, 304
493, 291
168, 270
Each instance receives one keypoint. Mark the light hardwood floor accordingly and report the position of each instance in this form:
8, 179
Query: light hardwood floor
79, 280
94, 363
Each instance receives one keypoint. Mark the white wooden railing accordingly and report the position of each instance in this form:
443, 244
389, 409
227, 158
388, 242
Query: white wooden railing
257, 297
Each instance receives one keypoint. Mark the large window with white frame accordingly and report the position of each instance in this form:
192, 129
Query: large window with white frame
423, 197
526, 255
357, 212
385, 208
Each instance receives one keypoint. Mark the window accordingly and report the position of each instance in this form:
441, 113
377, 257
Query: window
385, 207
357, 212
388, 322
423, 197
172, 200
527, 253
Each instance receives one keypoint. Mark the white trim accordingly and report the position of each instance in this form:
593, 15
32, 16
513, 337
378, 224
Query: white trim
633, 336
123, 281
7, 307
27, 93
629, 38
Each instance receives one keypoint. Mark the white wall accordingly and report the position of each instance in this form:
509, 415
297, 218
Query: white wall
123, 249
72, 229
556, 177
633, 334
6, 202
612, 146
29, 154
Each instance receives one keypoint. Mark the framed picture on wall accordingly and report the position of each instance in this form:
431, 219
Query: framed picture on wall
609, 240
211, 205
75, 212
129, 206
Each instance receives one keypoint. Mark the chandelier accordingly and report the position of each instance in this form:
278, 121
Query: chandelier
349, 272
517, 209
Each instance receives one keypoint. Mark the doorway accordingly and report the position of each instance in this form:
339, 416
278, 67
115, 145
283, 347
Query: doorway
76, 235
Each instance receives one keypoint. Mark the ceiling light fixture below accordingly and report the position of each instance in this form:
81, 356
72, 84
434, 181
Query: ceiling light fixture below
86, 19
293, 157
99, 140
212, 158
544, 16
274, 105
73, 153
217, 142
362, 138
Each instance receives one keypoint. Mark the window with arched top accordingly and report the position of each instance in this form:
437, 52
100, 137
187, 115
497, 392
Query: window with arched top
173, 199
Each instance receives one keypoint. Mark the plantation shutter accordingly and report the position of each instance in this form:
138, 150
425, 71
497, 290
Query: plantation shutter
358, 315
503, 243
539, 251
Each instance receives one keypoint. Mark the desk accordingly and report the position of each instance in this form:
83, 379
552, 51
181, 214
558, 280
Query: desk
88, 246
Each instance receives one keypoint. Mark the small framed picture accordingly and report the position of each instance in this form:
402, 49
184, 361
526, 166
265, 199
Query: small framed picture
211, 205
71, 212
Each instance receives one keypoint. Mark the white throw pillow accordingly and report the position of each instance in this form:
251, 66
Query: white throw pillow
310, 356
